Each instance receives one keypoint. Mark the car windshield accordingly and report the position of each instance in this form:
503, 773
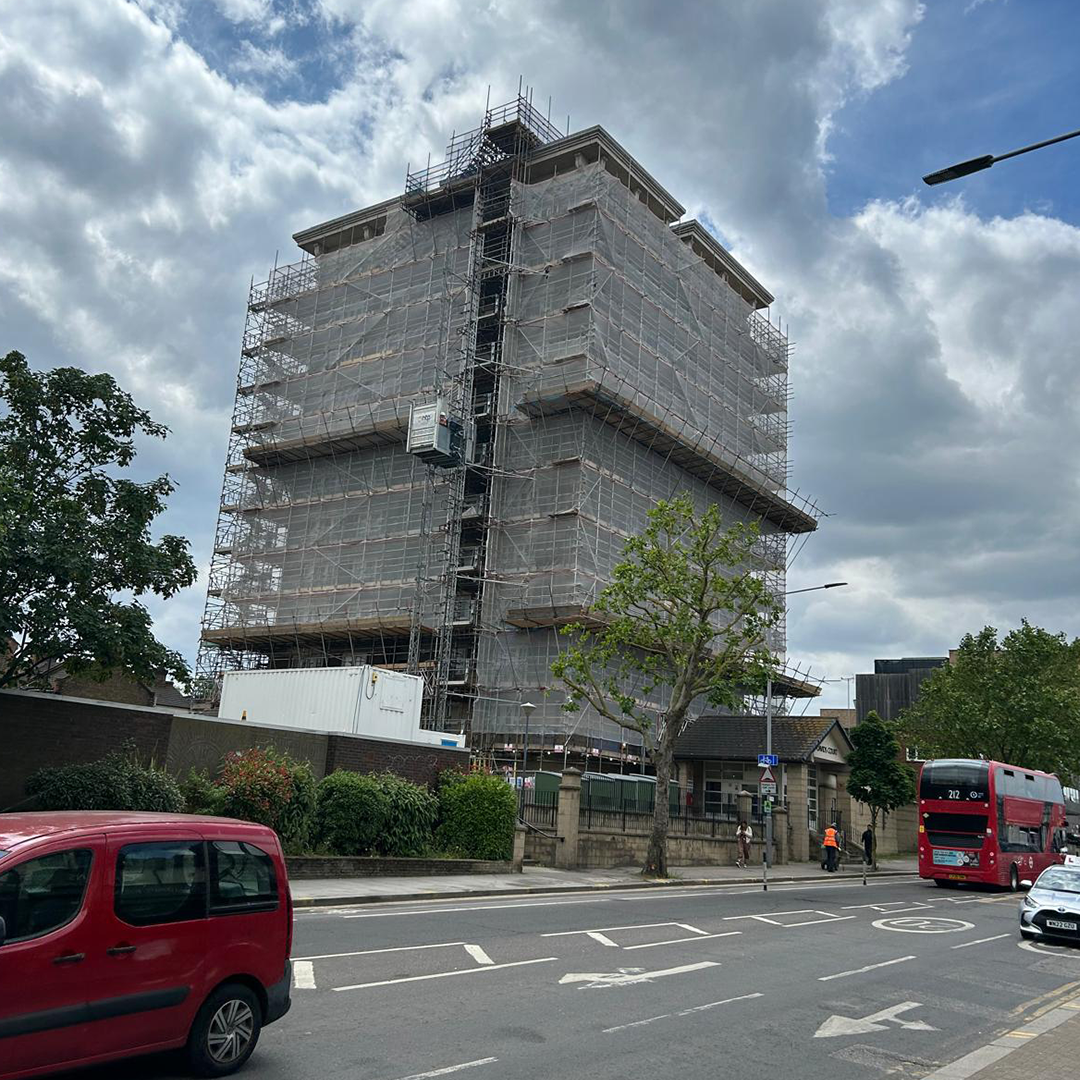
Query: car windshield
1060, 879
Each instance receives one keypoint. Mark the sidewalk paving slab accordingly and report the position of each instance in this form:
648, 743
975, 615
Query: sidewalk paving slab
321, 892
1047, 1046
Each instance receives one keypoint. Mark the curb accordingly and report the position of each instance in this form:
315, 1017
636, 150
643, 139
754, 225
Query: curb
368, 898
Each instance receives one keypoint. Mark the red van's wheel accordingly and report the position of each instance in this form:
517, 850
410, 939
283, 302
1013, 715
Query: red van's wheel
225, 1031
1014, 879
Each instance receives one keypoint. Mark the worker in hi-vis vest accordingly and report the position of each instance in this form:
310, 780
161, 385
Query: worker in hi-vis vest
831, 845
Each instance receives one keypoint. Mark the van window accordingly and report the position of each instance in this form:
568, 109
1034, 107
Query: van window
241, 878
160, 882
43, 894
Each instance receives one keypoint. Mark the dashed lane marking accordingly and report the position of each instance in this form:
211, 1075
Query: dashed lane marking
772, 916
682, 1012
451, 1069
863, 970
303, 975
478, 954
979, 941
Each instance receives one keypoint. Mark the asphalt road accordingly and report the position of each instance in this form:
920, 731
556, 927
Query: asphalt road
829, 980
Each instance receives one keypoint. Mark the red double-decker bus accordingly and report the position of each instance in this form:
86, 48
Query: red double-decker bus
988, 822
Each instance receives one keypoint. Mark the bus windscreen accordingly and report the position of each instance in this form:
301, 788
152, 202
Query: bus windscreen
962, 781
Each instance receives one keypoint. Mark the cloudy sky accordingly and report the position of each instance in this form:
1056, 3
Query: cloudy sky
157, 154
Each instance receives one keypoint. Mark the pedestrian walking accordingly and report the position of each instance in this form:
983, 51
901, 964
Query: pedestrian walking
868, 845
831, 845
743, 835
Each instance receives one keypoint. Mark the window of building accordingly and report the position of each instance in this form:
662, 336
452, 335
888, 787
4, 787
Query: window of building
160, 882
242, 878
43, 894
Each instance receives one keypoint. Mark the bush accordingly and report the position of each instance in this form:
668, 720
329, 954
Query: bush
477, 816
351, 812
201, 794
410, 817
268, 787
118, 781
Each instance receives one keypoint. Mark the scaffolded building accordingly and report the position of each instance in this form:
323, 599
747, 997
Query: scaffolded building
452, 412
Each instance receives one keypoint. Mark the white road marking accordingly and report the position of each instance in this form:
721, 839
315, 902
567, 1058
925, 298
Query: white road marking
680, 940
446, 974
478, 907
450, 1069
879, 1021
596, 935
625, 978
613, 929
926, 925
890, 907
771, 917
478, 954
980, 941
860, 971
682, 1012
659, 893
375, 952
303, 975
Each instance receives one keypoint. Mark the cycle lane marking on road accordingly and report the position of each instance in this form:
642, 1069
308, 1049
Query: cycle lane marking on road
862, 970
628, 976
681, 1012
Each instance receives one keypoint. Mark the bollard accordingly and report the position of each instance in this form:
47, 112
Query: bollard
765, 870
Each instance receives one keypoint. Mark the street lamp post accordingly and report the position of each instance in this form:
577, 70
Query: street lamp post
527, 707
973, 165
769, 719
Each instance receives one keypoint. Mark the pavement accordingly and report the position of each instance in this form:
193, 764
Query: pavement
822, 979
316, 892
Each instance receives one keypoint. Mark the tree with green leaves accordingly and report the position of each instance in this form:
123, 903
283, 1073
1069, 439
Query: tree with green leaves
76, 552
878, 779
1017, 700
685, 622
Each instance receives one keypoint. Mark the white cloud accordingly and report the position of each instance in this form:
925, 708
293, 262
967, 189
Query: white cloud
140, 189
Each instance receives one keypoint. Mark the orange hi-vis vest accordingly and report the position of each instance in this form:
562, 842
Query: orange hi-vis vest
830, 838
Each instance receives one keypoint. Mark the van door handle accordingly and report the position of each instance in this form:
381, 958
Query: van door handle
69, 958
120, 950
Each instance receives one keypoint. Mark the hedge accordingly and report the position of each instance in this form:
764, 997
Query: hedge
350, 813
118, 781
477, 816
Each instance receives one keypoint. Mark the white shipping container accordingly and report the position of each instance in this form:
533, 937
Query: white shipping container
360, 700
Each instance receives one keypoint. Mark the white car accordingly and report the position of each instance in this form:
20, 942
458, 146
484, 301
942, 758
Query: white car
1051, 909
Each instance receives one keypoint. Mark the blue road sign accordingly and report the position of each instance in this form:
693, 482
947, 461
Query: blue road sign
768, 759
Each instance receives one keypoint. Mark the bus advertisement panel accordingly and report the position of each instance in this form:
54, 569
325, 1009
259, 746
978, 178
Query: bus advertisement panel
988, 822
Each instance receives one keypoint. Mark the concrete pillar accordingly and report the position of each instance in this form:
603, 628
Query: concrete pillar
566, 848
746, 805
781, 840
519, 848
797, 813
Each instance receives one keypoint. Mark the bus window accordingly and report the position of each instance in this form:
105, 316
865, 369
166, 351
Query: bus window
956, 780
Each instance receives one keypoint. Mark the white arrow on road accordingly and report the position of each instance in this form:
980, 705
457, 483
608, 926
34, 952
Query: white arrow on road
849, 1025
626, 976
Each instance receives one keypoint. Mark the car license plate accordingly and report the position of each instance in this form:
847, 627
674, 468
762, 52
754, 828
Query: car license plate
1059, 924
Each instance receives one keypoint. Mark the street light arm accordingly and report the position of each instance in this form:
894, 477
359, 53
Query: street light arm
966, 168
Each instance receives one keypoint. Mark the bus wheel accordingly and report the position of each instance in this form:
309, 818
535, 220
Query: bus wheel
1014, 879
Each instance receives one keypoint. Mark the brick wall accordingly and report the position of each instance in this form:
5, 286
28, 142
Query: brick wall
420, 764
47, 729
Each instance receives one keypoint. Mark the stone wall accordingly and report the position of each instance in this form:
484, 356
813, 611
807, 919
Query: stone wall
333, 866
39, 729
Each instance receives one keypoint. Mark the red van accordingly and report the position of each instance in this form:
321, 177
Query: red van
125, 933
